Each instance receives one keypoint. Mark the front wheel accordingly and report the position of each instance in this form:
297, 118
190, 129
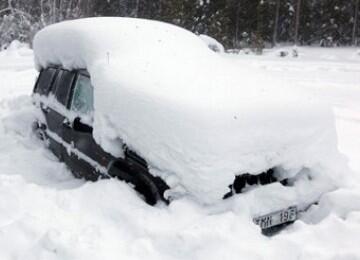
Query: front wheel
150, 187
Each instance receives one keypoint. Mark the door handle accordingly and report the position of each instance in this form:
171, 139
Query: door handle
78, 126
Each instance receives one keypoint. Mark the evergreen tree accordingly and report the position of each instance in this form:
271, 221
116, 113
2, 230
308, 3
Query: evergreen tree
236, 23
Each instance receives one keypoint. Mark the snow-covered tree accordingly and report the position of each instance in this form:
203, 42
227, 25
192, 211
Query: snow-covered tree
236, 23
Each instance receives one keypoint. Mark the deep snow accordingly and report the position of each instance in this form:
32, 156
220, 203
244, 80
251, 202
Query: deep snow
197, 118
47, 214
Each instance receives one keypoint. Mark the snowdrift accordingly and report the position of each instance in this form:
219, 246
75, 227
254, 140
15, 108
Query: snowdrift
196, 119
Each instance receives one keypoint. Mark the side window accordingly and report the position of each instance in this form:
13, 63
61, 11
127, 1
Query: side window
82, 100
46, 78
63, 85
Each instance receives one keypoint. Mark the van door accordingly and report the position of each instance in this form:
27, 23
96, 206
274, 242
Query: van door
44, 97
88, 159
56, 110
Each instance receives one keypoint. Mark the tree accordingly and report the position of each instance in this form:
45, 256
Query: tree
297, 22
258, 40
354, 37
212, 18
276, 22
236, 23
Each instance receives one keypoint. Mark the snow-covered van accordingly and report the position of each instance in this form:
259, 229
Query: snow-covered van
151, 104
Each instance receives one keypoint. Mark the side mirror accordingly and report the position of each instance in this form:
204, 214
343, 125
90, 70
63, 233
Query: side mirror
81, 127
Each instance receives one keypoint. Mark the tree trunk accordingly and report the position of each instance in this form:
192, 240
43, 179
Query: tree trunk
297, 22
137, 8
237, 25
42, 14
54, 11
354, 36
11, 8
276, 24
259, 41
86, 8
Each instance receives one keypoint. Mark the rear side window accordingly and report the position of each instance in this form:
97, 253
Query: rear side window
46, 78
63, 85
83, 100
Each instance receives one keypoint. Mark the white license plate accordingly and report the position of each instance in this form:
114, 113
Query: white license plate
276, 218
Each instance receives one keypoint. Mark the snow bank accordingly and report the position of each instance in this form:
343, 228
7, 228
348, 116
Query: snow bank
16, 56
45, 213
16, 49
197, 119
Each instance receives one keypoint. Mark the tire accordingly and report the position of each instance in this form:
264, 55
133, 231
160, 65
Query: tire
151, 188
147, 187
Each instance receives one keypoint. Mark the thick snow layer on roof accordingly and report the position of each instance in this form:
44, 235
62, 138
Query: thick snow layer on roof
197, 119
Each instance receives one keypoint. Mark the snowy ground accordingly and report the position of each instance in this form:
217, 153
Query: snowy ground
47, 214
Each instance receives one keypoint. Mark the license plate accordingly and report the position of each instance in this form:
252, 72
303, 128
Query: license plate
276, 218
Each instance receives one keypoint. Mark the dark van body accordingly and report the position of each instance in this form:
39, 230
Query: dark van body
66, 101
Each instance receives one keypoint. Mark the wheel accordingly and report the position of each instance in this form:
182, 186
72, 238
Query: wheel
147, 187
150, 187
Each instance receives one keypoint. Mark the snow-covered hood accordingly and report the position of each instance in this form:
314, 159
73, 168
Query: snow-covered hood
197, 119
